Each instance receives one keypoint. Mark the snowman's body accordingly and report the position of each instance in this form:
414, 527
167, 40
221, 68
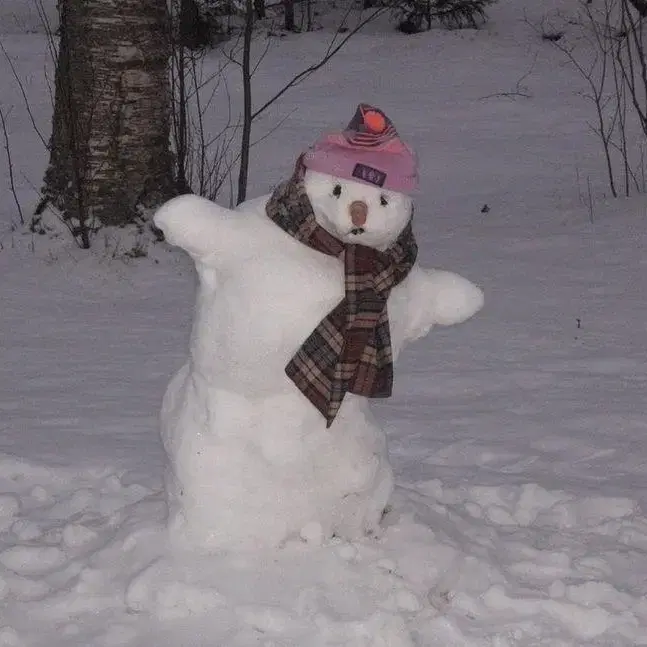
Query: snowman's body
250, 460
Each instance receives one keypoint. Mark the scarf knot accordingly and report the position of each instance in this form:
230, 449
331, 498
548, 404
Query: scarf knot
350, 350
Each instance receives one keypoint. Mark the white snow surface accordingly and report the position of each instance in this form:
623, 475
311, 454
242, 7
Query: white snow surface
516, 439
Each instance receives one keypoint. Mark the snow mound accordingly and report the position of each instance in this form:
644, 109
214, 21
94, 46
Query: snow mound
86, 553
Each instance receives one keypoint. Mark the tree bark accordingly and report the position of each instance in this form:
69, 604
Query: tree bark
640, 6
109, 149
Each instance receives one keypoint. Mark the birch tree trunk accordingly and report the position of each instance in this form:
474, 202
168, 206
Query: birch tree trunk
109, 149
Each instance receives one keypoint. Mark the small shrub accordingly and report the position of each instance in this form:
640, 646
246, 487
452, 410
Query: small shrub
414, 16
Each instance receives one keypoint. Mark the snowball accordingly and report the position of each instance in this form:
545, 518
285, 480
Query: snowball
40, 494
32, 560
312, 533
76, 535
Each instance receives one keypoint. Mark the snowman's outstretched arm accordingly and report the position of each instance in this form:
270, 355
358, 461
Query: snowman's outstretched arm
440, 297
201, 227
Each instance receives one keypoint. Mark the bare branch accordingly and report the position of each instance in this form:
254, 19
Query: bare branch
21, 86
7, 147
49, 31
261, 56
330, 52
520, 90
595, 74
273, 129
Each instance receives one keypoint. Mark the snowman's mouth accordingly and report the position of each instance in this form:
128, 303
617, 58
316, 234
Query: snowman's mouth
357, 231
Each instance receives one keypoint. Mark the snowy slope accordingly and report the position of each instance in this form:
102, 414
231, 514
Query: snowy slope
518, 438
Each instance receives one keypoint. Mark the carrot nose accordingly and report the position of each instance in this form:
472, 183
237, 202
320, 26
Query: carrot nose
358, 213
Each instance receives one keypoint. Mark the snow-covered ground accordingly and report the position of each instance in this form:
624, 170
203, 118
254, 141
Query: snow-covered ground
517, 438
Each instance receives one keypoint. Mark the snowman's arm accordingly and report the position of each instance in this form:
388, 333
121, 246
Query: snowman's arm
201, 227
439, 297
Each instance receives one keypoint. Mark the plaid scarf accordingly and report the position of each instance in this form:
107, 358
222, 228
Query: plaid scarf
350, 350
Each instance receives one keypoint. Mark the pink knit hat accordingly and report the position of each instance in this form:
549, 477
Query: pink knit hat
368, 151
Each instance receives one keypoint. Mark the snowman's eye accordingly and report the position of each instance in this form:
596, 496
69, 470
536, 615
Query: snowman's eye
337, 190
383, 201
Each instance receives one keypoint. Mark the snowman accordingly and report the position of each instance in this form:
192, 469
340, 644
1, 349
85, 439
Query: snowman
304, 300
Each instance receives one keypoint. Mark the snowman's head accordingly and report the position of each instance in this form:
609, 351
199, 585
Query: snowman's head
356, 212
359, 180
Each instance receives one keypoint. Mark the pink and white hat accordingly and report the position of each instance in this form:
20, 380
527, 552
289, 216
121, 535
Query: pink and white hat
368, 151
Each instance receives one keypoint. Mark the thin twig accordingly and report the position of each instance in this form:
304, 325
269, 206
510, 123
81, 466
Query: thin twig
273, 129
201, 134
330, 52
588, 184
519, 90
51, 45
595, 74
7, 147
21, 86
49, 31
268, 43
